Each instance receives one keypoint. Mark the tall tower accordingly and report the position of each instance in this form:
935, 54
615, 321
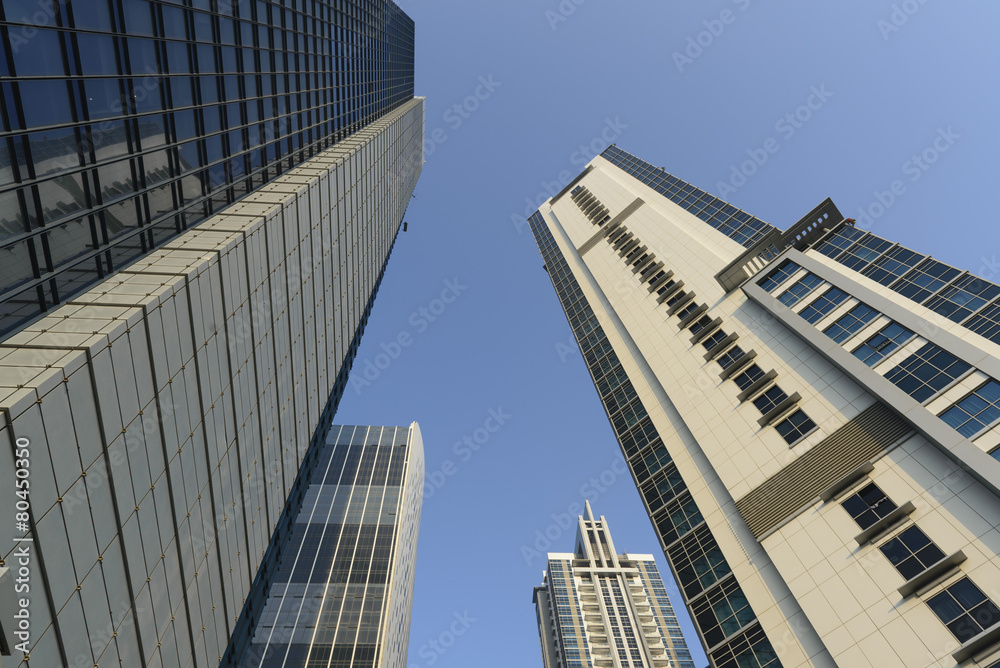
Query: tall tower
599, 608
342, 588
809, 416
198, 203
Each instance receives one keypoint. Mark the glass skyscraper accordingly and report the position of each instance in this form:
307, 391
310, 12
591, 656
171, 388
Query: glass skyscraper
124, 124
599, 608
342, 589
199, 202
812, 417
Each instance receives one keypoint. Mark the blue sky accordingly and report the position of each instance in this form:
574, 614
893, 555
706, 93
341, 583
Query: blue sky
514, 433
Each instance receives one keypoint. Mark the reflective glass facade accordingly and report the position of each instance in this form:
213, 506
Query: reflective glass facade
123, 124
340, 595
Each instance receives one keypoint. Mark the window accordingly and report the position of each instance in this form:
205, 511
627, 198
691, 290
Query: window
700, 324
716, 339
770, 399
878, 347
666, 286
678, 518
800, 289
926, 372
926, 279
965, 297
868, 506
664, 486
779, 275
987, 323
840, 241
823, 304
911, 553
654, 460
797, 425
888, 268
687, 310
747, 650
747, 378
851, 322
728, 358
863, 253
698, 561
722, 612
965, 610
975, 412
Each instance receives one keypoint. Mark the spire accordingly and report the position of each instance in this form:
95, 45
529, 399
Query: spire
590, 512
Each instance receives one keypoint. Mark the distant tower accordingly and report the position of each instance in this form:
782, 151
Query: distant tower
599, 608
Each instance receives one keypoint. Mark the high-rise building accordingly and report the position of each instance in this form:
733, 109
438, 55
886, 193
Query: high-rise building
809, 416
342, 588
198, 206
596, 607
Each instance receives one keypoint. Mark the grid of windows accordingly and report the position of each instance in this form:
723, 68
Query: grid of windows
969, 294
654, 459
700, 324
722, 612
795, 426
127, 123
823, 304
851, 322
663, 487
927, 372
738, 225
715, 339
698, 561
800, 289
679, 517
747, 650
911, 552
976, 411
920, 279
879, 346
868, 506
965, 610
778, 275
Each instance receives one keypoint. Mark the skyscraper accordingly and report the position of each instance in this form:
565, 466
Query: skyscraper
599, 608
809, 416
341, 591
199, 203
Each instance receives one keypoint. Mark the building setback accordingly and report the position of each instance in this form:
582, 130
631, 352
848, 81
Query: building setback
198, 208
342, 590
599, 608
811, 417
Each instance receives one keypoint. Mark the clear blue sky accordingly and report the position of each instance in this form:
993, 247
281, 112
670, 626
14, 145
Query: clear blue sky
503, 343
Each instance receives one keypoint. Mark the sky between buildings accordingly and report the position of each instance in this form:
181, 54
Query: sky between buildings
849, 100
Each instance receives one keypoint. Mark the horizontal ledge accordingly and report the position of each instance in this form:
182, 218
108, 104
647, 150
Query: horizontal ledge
667, 275
649, 270
883, 525
931, 573
974, 646
738, 364
779, 410
757, 386
705, 331
692, 316
641, 269
845, 483
722, 345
